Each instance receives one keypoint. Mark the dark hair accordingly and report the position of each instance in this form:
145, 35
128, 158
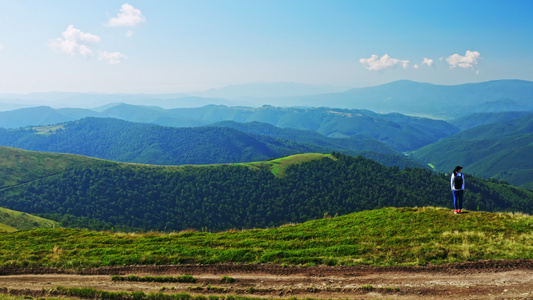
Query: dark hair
457, 169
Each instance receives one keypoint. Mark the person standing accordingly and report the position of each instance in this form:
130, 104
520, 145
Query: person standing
458, 189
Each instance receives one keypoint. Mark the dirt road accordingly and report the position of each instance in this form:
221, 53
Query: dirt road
480, 280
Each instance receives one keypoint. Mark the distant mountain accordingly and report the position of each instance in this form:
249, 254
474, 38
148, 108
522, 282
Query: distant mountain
502, 150
478, 119
414, 98
402, 133
266, 90
404, 96
90, 100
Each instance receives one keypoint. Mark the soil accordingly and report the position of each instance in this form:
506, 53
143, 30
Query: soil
475, 280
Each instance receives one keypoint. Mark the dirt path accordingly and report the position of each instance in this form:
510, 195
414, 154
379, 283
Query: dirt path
503, 280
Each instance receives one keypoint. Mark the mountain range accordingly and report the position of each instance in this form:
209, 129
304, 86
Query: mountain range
223, 142
405, 97
487, 144
402, 133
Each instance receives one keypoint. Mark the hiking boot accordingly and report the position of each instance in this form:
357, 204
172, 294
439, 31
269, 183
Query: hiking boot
456, 211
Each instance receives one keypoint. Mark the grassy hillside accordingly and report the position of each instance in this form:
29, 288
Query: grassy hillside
19, 166
388, 236
14, 220
256, 195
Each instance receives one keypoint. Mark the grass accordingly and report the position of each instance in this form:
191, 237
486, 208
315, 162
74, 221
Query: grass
47, 130
278, 166
383, 237
11, 221
20, 166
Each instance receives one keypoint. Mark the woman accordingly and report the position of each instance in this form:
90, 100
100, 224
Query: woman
458, 189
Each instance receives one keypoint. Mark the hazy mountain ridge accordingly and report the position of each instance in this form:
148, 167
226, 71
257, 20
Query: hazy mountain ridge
404, 96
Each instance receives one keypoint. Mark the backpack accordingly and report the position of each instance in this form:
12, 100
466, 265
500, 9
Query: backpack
458, 181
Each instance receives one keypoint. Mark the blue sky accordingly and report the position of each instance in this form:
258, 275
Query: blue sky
177, 46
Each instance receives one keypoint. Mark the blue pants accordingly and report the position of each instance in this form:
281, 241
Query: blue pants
458, 199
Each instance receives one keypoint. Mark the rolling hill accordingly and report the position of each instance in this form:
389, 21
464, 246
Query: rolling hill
118, 140
402, 133
500, 150
123, 141
222, 197
11, 221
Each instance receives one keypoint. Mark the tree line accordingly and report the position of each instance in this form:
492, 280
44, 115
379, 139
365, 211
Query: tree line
228, 196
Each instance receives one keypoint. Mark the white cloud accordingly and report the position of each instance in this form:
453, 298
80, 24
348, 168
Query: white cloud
111, 58
470, 59
427, 61
128, 16
74, 41
375, 63
404, 63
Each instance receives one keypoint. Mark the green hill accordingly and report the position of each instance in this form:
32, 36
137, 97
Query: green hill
14, 220
383, 237
265, 194
502, 150
123, 141
20, 166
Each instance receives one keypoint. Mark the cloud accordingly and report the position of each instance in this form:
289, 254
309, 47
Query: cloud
74, 42
375, 63
470, 59
111, 58
128, 16
427, 61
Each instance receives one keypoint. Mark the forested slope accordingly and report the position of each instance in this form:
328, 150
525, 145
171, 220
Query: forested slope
238, 196
123, 141
502, 150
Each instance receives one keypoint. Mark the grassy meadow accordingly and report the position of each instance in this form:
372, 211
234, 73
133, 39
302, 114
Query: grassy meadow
11, 221
383, 237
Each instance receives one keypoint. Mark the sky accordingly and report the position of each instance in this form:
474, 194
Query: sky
181, 46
